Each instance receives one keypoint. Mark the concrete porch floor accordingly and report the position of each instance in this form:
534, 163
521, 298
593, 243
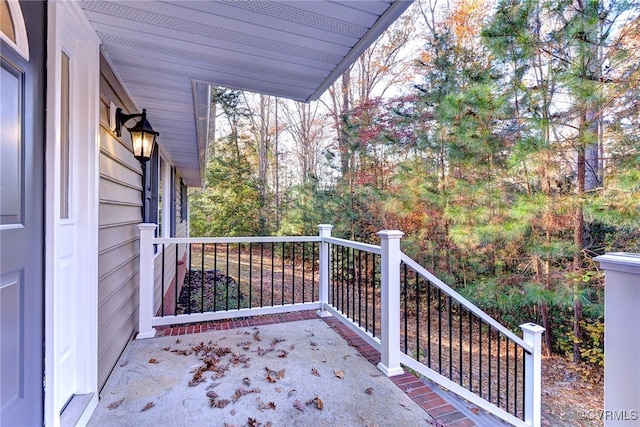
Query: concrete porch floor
276, 370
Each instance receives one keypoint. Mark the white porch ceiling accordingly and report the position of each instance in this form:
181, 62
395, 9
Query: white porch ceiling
168, 53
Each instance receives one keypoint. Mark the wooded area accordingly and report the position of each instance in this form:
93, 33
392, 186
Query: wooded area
501, 137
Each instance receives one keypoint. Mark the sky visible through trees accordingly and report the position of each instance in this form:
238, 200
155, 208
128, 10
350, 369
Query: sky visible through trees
500, 136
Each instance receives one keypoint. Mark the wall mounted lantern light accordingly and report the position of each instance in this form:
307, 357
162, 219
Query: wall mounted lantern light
143, 139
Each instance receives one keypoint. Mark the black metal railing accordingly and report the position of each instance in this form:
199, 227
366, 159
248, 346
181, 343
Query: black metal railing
354, 285
448, 337
233, 275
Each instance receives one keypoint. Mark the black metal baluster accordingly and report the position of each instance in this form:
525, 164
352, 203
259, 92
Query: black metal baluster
490, 359
261, 274
498, 369
429, 324
202, 279
470, 351
405, 288
373, 258
460, 356
439, 331
450, 324
303, 262
293, 272
524, 397
515, 379
348, 280
282, 294
417, 316
215, 277
251, 274
360, 288
367, 283
313, 271
238, 286
507, 372
273, 248
342, 280
480, 355
226, 305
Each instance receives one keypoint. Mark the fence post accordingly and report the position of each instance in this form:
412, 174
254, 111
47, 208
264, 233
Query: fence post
146, 283
325, 267
532, 335
390, 302
621, 338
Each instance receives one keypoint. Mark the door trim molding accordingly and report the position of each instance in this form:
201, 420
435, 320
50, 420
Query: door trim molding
70, 31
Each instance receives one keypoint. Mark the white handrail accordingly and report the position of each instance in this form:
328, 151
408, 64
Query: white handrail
259, 239
355, 245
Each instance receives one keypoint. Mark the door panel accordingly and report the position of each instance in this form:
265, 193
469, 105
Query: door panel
21, 225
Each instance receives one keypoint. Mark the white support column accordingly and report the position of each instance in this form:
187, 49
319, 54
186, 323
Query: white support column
621, 338
325, 267
390, 304
532, 335
145, 303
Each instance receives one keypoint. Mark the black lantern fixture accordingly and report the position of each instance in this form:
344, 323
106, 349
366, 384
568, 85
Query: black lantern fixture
143, 139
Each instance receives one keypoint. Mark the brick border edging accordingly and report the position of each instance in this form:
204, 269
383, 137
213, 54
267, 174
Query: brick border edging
420, 392
417, 390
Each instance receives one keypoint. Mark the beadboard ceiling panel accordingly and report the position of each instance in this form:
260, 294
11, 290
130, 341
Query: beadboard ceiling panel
168, 54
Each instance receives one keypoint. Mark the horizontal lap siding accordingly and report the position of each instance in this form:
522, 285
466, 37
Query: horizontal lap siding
119, 246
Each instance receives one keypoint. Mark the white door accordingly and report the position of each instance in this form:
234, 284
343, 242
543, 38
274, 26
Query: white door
72, 199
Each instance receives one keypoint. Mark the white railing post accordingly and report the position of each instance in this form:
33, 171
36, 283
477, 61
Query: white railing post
325, 267
621, 338
532, 335
390, 302
146, 283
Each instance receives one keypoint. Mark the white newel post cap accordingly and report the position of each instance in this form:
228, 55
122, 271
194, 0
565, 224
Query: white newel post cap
390, 234
620, 261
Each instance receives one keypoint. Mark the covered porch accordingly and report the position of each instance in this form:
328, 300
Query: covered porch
272, 370
417, 331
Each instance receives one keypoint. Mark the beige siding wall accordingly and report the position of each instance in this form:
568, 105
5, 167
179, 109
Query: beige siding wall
119, 244
120, 214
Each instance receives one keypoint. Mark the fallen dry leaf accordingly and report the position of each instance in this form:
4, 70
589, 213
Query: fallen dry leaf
369, 390
313, 343
154, 361
251, 422
282, 353
246, 381
167, 348
265, 405
339, 374
298, 405
178, 341
123, 364
148, 406
291, 393
256, 336
315, 372
115, 404
278, 389
219, 403
319, 403
242, 392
